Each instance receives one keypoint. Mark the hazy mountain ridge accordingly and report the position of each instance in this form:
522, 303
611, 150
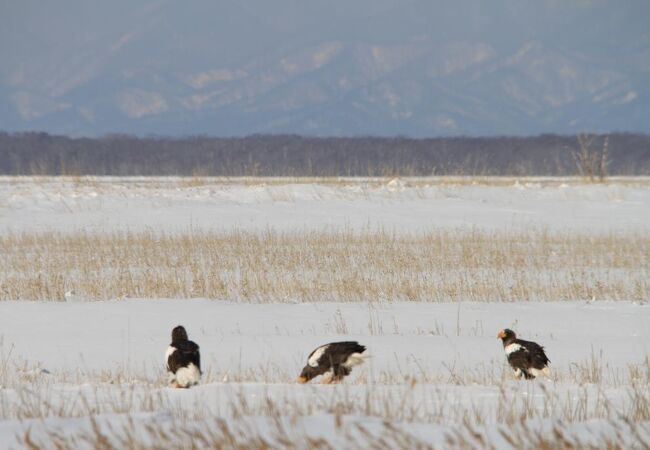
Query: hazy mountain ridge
418, 69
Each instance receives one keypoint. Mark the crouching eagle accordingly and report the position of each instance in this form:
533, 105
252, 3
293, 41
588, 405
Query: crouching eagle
526, 358
183, 360
335, 361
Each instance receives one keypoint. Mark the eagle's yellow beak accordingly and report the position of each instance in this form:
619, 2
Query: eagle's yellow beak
501, 335
301, 380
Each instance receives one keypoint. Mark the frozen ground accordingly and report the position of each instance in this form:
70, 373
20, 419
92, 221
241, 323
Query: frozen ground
407, 337
107, 204
430, 366
90, 374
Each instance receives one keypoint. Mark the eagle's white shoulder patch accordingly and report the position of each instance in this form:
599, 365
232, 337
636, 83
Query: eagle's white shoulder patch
168, 353
313, 359
513, 348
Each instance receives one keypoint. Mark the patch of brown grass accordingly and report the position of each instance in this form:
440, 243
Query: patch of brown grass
438, 266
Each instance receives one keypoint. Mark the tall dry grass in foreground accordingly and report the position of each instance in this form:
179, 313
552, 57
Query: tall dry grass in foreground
342, 432
438, 266
526, 417
132, 409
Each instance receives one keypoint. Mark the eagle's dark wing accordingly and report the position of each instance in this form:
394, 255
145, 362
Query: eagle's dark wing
536, 356
186, 353
519, 360
338, 352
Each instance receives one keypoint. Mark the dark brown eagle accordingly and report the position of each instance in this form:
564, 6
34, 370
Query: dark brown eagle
526, 358
334, 361
183, 360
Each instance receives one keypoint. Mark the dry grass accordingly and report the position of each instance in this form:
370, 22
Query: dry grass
274, 434
16, 373
198, 180
617, 435
438, 266
102, 410
440, 404
373, 418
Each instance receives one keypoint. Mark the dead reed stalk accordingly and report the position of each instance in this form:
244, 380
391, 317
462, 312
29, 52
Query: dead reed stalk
436, 266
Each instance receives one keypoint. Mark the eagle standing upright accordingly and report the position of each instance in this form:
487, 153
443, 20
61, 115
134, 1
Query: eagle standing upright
334, 360
526, 358
183, 360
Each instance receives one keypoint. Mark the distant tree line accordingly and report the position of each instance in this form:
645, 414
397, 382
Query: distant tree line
289, 155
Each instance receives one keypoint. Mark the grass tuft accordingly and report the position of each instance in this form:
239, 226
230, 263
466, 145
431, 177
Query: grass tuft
312, 266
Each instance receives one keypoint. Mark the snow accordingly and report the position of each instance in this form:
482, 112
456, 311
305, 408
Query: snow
77, 342
100, 336
68, 368
172, 205
340, 431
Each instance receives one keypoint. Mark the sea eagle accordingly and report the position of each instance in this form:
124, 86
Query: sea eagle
526, 358
334, 361
183, 360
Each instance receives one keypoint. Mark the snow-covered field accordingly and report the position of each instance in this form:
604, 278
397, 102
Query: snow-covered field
179, 205
430, 366
81, 374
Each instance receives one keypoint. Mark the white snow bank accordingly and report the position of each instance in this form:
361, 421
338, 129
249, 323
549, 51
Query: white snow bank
339, 431
105, 360
401, 337
169, 204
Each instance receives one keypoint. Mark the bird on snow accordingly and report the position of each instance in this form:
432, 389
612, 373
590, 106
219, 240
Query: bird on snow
526, 358
334, 361
183, 360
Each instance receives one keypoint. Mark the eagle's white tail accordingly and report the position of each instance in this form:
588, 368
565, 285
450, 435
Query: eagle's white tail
354, 359
188, 376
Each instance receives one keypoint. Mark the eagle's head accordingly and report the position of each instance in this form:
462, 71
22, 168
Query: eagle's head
506, 335
308, 372
179, 334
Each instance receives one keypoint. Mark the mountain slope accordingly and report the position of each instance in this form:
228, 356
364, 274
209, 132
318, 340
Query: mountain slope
326, 68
